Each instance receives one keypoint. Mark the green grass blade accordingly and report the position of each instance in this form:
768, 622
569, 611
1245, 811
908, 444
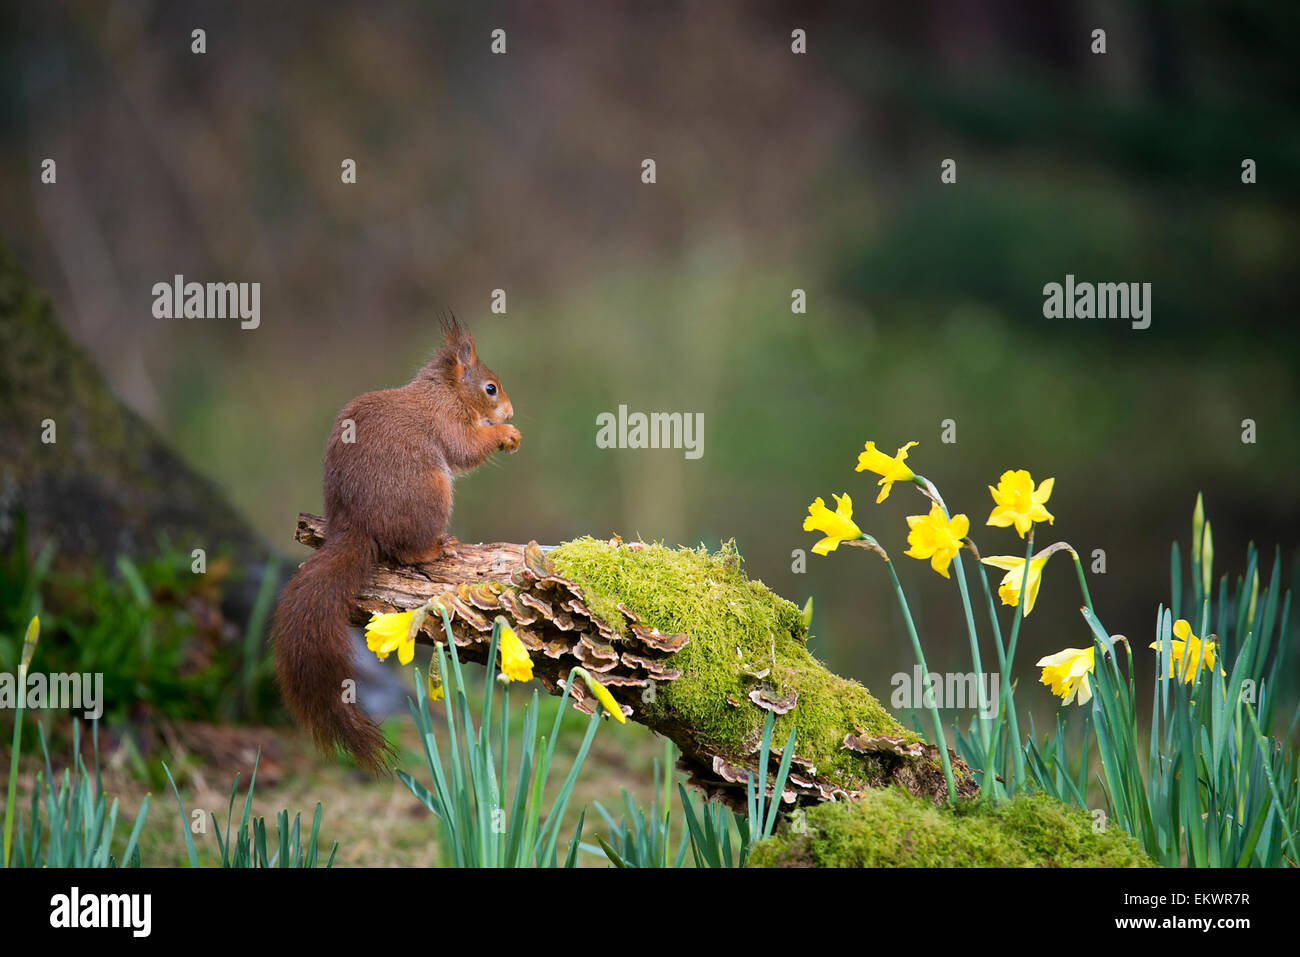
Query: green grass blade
191, 853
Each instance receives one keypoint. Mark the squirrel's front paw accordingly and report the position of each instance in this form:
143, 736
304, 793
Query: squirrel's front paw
509, 438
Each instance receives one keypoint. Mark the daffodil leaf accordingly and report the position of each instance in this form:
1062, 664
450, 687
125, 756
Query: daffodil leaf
1102, 635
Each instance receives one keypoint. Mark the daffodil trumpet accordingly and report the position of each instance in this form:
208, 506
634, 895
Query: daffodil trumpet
601, 694
387, 632
837, 526
1066, 673
890, 468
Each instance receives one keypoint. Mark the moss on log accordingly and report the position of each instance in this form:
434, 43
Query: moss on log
889, 828
747, 653
687, 644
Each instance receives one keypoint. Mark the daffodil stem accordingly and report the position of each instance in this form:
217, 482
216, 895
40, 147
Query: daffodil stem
1004, 661
13, 768
942, 741
1083, 582
1011, 650
504, 747
985, 725
1020, 605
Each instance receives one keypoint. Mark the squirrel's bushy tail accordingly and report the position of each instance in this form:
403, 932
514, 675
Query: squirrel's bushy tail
313, 650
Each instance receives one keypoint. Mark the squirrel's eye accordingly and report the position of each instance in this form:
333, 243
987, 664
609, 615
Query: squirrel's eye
490, 388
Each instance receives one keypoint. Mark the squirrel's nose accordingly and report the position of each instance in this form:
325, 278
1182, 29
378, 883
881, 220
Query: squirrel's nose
509, 411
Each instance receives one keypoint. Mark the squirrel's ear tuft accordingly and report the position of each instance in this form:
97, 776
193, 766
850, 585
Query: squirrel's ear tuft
458, 350
452, 331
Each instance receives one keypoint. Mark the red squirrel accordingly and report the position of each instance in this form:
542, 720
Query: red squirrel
389, 466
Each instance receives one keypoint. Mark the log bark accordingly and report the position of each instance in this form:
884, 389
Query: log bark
549, 614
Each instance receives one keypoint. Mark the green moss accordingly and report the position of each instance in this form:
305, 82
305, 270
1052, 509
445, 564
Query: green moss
890, 828
736, 626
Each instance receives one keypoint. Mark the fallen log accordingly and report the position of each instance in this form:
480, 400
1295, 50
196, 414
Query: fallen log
687, 645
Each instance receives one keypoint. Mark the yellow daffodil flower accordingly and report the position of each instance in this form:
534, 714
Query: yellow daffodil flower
1019, 503
838, 526
602, 695
936, 538
1187, 652
515, 663
391, 632
890, 469
1009, 590
1067, 674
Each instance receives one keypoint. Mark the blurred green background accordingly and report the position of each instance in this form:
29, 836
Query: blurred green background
775, 171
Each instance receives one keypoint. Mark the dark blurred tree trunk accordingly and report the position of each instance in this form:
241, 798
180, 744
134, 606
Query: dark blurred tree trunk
108, 484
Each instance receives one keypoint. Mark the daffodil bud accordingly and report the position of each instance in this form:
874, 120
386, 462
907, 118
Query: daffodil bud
1198, 526
1254, 597
602, 695
29, 643
1207, 561
515, 663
